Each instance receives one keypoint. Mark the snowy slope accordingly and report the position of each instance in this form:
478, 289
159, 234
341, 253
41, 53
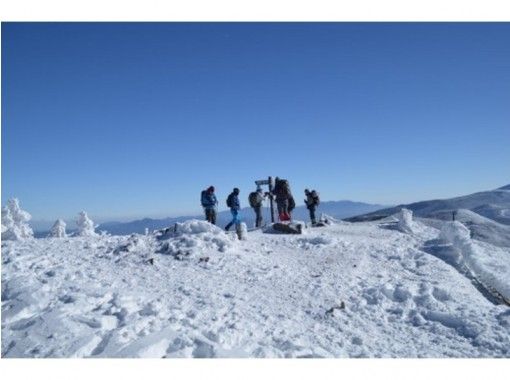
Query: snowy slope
494, 204
346, 290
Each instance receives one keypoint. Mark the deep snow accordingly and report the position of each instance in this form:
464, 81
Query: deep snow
345, 290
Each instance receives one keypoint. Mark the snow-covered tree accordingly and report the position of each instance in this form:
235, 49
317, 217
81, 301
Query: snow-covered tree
85, 225
14, 222
58, 230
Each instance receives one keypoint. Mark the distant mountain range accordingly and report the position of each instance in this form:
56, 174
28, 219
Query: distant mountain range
493, 204
336, 209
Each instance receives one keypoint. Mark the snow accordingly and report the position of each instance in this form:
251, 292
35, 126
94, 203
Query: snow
491, 267
15, 222
194, 238
58, 230
344, 290
494, 204
405, 221
85, 225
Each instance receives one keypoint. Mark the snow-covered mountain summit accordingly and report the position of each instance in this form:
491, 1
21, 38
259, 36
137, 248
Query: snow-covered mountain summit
345, 290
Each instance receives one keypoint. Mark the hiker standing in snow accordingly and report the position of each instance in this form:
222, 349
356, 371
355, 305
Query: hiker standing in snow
256, 198
282, 194
311, 202
235, 206
209, 203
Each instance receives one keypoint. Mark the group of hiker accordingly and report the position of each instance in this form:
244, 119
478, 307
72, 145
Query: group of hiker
281, 193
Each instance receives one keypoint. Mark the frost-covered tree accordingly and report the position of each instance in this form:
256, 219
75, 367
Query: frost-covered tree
58, 230
85, 225
405, 221
14, 222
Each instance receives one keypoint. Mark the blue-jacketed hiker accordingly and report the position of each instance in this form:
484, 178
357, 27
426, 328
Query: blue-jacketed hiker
209, 203
235, 206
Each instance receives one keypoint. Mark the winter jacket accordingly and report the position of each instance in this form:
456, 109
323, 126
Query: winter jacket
236, 205
209, 200
259, 198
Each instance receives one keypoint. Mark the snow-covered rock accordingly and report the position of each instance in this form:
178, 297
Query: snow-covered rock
58, 230
85, 225
191, 238
14, 222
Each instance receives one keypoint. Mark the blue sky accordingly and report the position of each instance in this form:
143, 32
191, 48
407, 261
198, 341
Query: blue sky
131, 120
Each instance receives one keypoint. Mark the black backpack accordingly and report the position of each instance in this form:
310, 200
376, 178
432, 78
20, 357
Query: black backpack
202, 196
282, 188
292, 204
230, 200
315, 197
252, 198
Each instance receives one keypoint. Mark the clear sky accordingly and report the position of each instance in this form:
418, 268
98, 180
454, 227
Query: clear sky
134, 120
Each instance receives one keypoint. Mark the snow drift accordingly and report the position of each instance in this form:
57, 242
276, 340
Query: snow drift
490, 269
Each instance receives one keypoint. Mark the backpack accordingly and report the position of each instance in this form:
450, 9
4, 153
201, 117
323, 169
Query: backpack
202, 197
252, 198
282, 188
292, 204
315, 197
230, 200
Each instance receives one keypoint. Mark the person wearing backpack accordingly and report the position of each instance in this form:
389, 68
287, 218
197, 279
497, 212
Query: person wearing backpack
312, 201
209, 203
235, 206
256, 198
282, 194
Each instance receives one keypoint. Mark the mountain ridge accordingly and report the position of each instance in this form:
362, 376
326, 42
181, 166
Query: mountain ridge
492, 204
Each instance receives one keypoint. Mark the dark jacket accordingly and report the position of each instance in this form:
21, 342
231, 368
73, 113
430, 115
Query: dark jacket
235, 205
208, 200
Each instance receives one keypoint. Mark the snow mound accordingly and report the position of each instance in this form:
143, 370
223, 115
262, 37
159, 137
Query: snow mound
405, 221
14, 222
58, 230
85, 225
135, 243
194, 238
490, 269
192, 227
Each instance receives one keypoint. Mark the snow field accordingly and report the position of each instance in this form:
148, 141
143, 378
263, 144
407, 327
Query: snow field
345, 290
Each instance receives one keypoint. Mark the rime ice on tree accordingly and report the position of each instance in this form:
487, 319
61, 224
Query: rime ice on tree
85, 225
58, 230
14, 222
